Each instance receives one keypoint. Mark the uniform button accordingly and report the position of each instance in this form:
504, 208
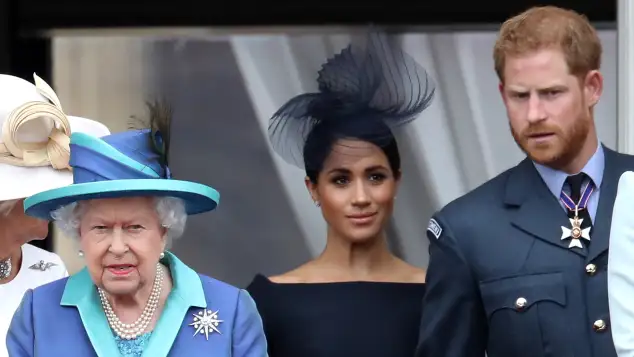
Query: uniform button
599, 326
591, 269
520, 303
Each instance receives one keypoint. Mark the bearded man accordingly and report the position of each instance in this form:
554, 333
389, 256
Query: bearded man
518, 265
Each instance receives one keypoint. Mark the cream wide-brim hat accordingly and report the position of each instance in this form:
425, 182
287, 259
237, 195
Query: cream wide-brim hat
34, 125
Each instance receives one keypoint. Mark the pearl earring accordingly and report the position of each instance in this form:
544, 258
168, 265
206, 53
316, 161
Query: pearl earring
80, 253
162, 255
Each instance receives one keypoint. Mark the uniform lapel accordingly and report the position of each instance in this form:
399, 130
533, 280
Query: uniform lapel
601, 227
534, 209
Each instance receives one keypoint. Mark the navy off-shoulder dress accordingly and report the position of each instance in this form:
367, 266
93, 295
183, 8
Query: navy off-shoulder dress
350, 319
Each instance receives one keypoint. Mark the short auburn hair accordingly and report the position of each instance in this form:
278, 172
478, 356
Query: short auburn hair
549, 27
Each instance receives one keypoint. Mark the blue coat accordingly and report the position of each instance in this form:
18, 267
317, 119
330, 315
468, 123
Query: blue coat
65, 318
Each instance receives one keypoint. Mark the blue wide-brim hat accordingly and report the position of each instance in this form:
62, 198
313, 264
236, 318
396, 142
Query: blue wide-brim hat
119, 165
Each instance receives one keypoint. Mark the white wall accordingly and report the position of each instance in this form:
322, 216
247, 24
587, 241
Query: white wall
459, 142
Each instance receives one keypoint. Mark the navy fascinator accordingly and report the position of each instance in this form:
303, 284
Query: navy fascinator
364, 90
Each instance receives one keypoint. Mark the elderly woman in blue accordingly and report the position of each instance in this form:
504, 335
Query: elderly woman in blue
133, 298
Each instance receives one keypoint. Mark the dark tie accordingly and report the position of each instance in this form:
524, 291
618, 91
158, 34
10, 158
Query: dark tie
575, 184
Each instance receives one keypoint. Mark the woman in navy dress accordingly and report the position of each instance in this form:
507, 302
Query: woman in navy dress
356, 298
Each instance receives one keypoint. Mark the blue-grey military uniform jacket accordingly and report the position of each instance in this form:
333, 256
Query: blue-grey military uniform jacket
502, 281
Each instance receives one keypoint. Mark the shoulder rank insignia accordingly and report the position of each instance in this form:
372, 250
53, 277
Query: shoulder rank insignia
434, 228
42, 265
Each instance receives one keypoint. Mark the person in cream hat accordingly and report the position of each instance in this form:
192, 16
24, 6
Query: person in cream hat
34, 157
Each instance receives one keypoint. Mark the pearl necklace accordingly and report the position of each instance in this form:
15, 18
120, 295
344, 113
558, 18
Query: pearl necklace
137, 328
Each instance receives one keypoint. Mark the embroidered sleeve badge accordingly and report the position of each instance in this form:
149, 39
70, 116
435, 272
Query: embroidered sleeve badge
434, 228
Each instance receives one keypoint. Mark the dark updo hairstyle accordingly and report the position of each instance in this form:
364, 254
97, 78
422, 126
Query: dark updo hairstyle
324, 136
364, 92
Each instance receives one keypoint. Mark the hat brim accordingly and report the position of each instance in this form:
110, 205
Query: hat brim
198, 198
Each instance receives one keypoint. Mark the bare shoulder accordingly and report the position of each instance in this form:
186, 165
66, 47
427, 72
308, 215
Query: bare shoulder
419, 275
295, 276
286, 278
413, 274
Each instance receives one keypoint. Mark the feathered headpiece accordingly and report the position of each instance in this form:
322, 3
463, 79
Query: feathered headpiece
375, 80
159, 123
